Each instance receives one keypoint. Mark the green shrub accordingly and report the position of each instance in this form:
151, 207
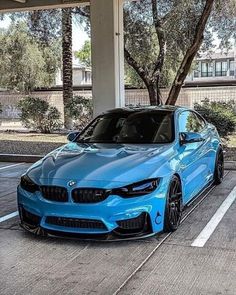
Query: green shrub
80, 109
221, 114
39, 115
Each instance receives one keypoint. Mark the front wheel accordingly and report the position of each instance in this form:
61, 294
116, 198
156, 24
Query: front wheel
173, 211
219, 167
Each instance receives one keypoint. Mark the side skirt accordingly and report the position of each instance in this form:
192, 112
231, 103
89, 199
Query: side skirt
202, 191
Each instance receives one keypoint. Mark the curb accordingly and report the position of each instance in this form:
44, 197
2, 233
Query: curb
229, 165
20, 158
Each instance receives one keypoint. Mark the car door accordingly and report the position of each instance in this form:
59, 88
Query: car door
193, 156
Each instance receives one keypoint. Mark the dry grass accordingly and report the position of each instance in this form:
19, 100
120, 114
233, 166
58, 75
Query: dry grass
34, 137
60, 138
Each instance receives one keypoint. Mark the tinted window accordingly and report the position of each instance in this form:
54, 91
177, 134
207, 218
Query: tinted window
103, 129
138, 127
190, 122
201, 121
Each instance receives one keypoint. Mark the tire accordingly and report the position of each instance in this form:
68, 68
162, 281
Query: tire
174, 205
219, 167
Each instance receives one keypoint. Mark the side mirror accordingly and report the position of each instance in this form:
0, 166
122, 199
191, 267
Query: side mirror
72, 136
190, 137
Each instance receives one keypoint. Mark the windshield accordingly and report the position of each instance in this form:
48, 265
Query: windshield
139, 127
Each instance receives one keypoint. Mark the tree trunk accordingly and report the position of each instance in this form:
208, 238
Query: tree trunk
190, 54
152, 87
67, 64
154, 94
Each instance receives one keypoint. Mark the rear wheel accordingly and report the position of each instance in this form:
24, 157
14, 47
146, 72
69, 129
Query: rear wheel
219, 167
173, 211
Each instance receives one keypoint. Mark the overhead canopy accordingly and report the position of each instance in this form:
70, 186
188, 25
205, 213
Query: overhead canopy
20, 5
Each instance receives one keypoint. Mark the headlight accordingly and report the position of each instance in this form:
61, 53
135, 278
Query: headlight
27, 184
137, 189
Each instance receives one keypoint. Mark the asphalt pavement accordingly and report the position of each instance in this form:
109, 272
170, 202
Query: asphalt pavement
199, 258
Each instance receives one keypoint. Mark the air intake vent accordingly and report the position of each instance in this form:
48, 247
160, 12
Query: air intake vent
29, 217
76, 222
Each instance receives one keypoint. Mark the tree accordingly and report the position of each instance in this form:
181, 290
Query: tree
223, 22
50, 24
46, 26
84, 54
22, 64
190, 54
157, 37
165, 30
67, 63
40, 59
181, 28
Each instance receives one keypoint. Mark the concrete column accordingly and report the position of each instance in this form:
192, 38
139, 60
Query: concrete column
107, 54
228, 66
235, 59
200, 69
214, 68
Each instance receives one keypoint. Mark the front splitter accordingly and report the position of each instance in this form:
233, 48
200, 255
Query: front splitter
109, 237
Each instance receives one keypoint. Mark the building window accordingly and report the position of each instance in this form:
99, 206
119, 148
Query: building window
207, 69
231, 67
89, 77
221, 68
86, 77
196, 74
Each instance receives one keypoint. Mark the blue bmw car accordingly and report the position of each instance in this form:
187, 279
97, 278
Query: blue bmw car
128, 174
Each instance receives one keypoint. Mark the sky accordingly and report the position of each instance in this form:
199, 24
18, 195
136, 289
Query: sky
79, 35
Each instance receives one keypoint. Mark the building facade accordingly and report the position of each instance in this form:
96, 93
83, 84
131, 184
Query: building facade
217, 67
82, 76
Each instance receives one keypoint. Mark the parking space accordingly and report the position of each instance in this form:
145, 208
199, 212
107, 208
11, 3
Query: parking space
166, 264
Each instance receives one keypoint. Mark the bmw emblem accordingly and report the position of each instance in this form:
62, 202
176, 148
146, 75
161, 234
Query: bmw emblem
71, 183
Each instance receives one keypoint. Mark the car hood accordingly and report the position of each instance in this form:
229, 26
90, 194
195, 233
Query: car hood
102, 164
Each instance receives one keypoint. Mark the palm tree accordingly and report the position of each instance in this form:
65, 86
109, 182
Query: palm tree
67, 63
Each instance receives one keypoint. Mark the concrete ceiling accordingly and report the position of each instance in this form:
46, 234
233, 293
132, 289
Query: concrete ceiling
26, 5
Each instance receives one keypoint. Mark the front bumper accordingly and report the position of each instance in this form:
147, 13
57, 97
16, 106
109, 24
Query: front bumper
111, 236
114, 218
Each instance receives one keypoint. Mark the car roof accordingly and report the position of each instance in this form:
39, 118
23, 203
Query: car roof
136, 109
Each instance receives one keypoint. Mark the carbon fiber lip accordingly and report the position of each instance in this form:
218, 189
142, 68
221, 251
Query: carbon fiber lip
110, 237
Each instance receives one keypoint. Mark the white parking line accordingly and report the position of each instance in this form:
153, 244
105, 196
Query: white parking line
208, 230
10, 166
9, 216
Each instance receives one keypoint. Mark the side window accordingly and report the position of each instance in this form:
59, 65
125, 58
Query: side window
190, 122
201, 121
